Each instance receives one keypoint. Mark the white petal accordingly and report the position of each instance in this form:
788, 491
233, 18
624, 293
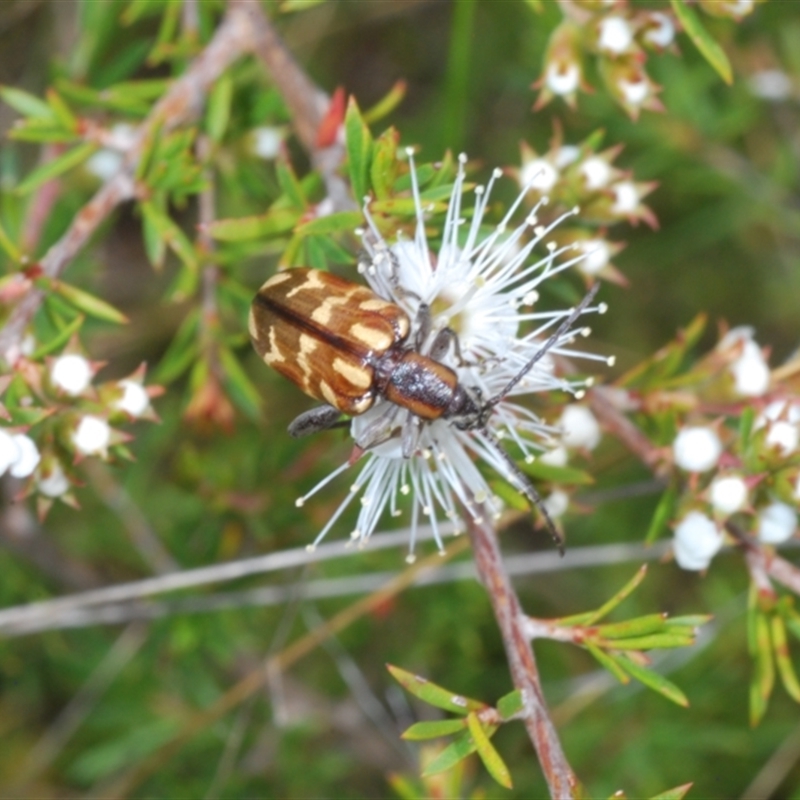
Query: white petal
71, 373
697, 449
728, 494
28, 458
92, 435
616, 35
54, 484
776, 523
580, 427
9, 451
696, 541
134, 400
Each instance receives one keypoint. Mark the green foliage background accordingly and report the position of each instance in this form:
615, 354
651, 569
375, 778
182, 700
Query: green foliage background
727, 164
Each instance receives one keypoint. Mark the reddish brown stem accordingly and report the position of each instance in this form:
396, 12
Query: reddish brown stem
525, 674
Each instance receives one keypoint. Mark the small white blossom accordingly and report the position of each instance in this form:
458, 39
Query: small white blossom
104, 164
783, 421
728, 494
28, 458
562, 79
267, 141
565, 155
634, 92
750, 371
71, 373
626, 197
557, 503
484, 285
662, 33
9, 451
776, 523
55, 483
539, 174
771, 84
92, 435
697, 449
596, 171
616, 35
697, 540
557, 457
580, 427
598, 254
135, 400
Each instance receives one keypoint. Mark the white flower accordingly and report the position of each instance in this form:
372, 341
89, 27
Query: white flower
750, 371
696, 449
562, 79
483, 287
776, 523
71, 373
635, 92
55, 483
581, 429
134, 400
92, 435
557, 503
28, 458
626, 197
771, 84
597, 253
596, 171
728, 494
539, 174
9, 451
697, 541
557, 457
267, 141
104, 164
783, 421
615, 35
662, 32
566, 154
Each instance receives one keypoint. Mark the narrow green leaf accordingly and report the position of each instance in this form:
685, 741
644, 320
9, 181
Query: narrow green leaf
273, 223
61, 110
783, 658
384, 168
289, 184
25, 103
610, 662
88, 303
678, 793
746, 422
621, 595
703, 40
241, 390
387, 103
182, 351
656, 682
435, 695
58, 166
218, 112
691, 620
359, 148
331, 223
8, 246
569, 476
404, 207
433, 730
656, 641
649, 623
457, 751
490, 757
60, 339
511, 704
665, 511
170, 233
27, 132
299, 5
764, 675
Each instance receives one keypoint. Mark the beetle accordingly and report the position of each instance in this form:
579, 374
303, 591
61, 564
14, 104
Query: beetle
344, 345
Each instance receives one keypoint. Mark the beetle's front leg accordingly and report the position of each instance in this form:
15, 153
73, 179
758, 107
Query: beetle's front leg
314, 420
442, 342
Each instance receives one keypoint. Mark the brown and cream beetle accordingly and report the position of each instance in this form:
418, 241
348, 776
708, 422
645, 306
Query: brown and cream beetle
344, 345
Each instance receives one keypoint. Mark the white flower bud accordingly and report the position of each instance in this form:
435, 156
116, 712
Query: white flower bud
134, 400
635, 92
615, 36
776, 523
783, 419
662, 33
750, 371
771, 84
557, 457
267, 142
626, 197
556, 503
9, 451
92, 435
580, 428
539, 174
697, 449
596, 171
598, 254
696, 541
55, 484
562, 79
28, 458
728, 494
71, 373
567, 154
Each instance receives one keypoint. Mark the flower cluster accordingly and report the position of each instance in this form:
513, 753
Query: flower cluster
68, 418
620, 35
584, 175
483, 285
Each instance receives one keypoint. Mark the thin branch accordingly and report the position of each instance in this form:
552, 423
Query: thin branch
558, 773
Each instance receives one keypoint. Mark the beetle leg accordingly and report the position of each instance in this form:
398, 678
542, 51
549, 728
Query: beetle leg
441, 345
379, 430
314, 420
411, 431
424, 324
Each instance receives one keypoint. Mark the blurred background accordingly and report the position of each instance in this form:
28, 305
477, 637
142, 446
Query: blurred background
82, 704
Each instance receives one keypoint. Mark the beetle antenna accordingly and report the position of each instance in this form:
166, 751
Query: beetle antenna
525, 486
542, 351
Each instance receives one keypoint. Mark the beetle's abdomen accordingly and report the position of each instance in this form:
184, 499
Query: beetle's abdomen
423, 386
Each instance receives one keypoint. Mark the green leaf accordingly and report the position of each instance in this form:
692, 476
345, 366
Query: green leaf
633, 627
511, 704
90, 305
764, 675
60, 339
8, 246
58, 166
457, 751
26, 104
289, 184
182, 351
621, 595
561, 475
170, 233
654, 681
783, 658
273, 223
62, 110
359, 149
387, 103
490, 757
656, 641
47, 133
218, 112
609, 661
665, 511
241, 390
433, 730
435, 695
383, 171
678, 793
331, 223
299, 5
704, 42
